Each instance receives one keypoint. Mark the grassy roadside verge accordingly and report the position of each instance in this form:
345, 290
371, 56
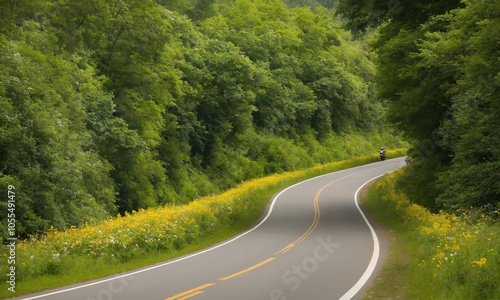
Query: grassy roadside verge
150, 236
433, 256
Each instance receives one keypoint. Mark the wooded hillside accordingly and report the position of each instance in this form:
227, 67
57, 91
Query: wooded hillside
109, 106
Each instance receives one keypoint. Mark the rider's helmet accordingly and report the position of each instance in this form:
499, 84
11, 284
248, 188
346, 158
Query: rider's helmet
382, 148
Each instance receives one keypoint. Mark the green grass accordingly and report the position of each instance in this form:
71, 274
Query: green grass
390, 281
75, 268
433, 256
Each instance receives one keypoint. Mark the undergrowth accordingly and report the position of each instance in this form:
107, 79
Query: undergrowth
446, 255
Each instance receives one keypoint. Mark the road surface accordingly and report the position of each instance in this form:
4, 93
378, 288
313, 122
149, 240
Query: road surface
314, 242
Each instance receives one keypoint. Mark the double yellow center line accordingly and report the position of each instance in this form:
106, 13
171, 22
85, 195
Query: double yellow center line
317, 215
190, 293
197, 291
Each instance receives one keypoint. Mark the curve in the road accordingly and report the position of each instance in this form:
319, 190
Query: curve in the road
309, 269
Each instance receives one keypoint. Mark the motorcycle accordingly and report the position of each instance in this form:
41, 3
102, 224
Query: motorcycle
382, 155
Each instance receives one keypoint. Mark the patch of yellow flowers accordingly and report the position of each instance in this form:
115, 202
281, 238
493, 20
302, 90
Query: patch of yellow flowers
463, 237
156, 229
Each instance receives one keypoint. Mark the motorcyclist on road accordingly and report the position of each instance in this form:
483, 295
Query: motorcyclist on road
382, 153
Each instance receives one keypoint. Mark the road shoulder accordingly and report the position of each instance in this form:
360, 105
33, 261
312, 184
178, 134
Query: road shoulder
386, 283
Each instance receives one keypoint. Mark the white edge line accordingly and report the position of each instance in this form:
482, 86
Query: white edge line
376, 248
217, 246
182, 258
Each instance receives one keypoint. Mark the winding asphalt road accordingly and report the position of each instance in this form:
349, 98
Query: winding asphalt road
314, 242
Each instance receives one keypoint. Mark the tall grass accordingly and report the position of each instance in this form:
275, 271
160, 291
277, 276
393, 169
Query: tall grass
448, 255
147, 236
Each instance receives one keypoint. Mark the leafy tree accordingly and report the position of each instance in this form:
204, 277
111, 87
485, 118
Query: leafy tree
471, 132
14, 12
224, 97
438, 69
127, 39
46, 148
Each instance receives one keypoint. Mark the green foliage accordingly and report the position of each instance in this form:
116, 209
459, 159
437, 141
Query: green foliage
195, 9
45, 147
439, 70
435, 255
395, 15
312, 3
472, 131
112, 106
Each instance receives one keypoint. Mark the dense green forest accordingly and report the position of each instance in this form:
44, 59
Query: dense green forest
109, 106
439, 70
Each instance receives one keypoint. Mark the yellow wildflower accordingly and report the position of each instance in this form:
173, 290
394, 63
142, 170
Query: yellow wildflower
480, 263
